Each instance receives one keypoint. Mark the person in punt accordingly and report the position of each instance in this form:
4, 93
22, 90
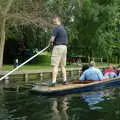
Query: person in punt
84, 67
110, 72
92, 74
118, 72
59, 40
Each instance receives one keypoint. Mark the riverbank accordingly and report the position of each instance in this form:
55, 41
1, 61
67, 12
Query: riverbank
47, 66
43, 71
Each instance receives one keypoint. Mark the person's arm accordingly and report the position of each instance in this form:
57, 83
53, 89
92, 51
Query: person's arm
114, 74
100, 75
52, 38
54, 34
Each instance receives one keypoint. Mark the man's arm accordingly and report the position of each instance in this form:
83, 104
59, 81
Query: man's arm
54, 34
100, 75
82, 77
52, 39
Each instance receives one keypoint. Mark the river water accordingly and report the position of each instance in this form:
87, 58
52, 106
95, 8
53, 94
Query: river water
19, 104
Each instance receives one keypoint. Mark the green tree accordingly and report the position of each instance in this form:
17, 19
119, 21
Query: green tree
96, 28
20, 12
3, 18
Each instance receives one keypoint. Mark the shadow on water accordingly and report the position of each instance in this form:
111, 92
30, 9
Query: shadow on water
17, 103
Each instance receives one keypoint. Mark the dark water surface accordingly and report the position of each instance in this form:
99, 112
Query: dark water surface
103, 104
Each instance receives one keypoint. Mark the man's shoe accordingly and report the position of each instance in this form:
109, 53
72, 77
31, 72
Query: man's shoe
65, 83
52, 85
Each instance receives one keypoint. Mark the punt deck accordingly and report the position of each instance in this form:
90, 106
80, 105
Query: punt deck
60, 89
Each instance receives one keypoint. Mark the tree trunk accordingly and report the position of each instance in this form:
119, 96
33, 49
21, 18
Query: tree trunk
2, 31
2, 41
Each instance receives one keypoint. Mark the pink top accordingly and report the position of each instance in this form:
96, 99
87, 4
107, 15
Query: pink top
109, 70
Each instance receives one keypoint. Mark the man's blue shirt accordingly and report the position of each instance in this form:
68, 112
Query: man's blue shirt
60, 35
92, 73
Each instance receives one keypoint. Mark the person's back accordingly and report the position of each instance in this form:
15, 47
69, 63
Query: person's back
110, 75
92, 73
110, 72
61, 35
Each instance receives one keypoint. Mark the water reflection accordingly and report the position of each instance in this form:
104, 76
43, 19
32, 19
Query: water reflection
60, 107
80, 104
93, 98
22, 105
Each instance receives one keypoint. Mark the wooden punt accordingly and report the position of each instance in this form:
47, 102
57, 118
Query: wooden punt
60, 89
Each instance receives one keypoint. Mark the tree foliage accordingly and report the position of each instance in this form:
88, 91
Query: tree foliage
93, 25
20, 12
96, 28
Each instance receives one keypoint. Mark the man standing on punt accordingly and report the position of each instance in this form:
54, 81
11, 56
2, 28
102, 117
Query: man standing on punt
92, 73
59, 39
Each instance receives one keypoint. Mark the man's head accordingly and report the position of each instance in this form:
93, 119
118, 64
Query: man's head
56, 20
92, 63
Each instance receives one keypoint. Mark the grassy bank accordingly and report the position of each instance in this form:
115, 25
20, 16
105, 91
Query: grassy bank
34, 67
45, 66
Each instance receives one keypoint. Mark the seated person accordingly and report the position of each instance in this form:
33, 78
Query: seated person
84, 67
110, 72
118, 73
92, 73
